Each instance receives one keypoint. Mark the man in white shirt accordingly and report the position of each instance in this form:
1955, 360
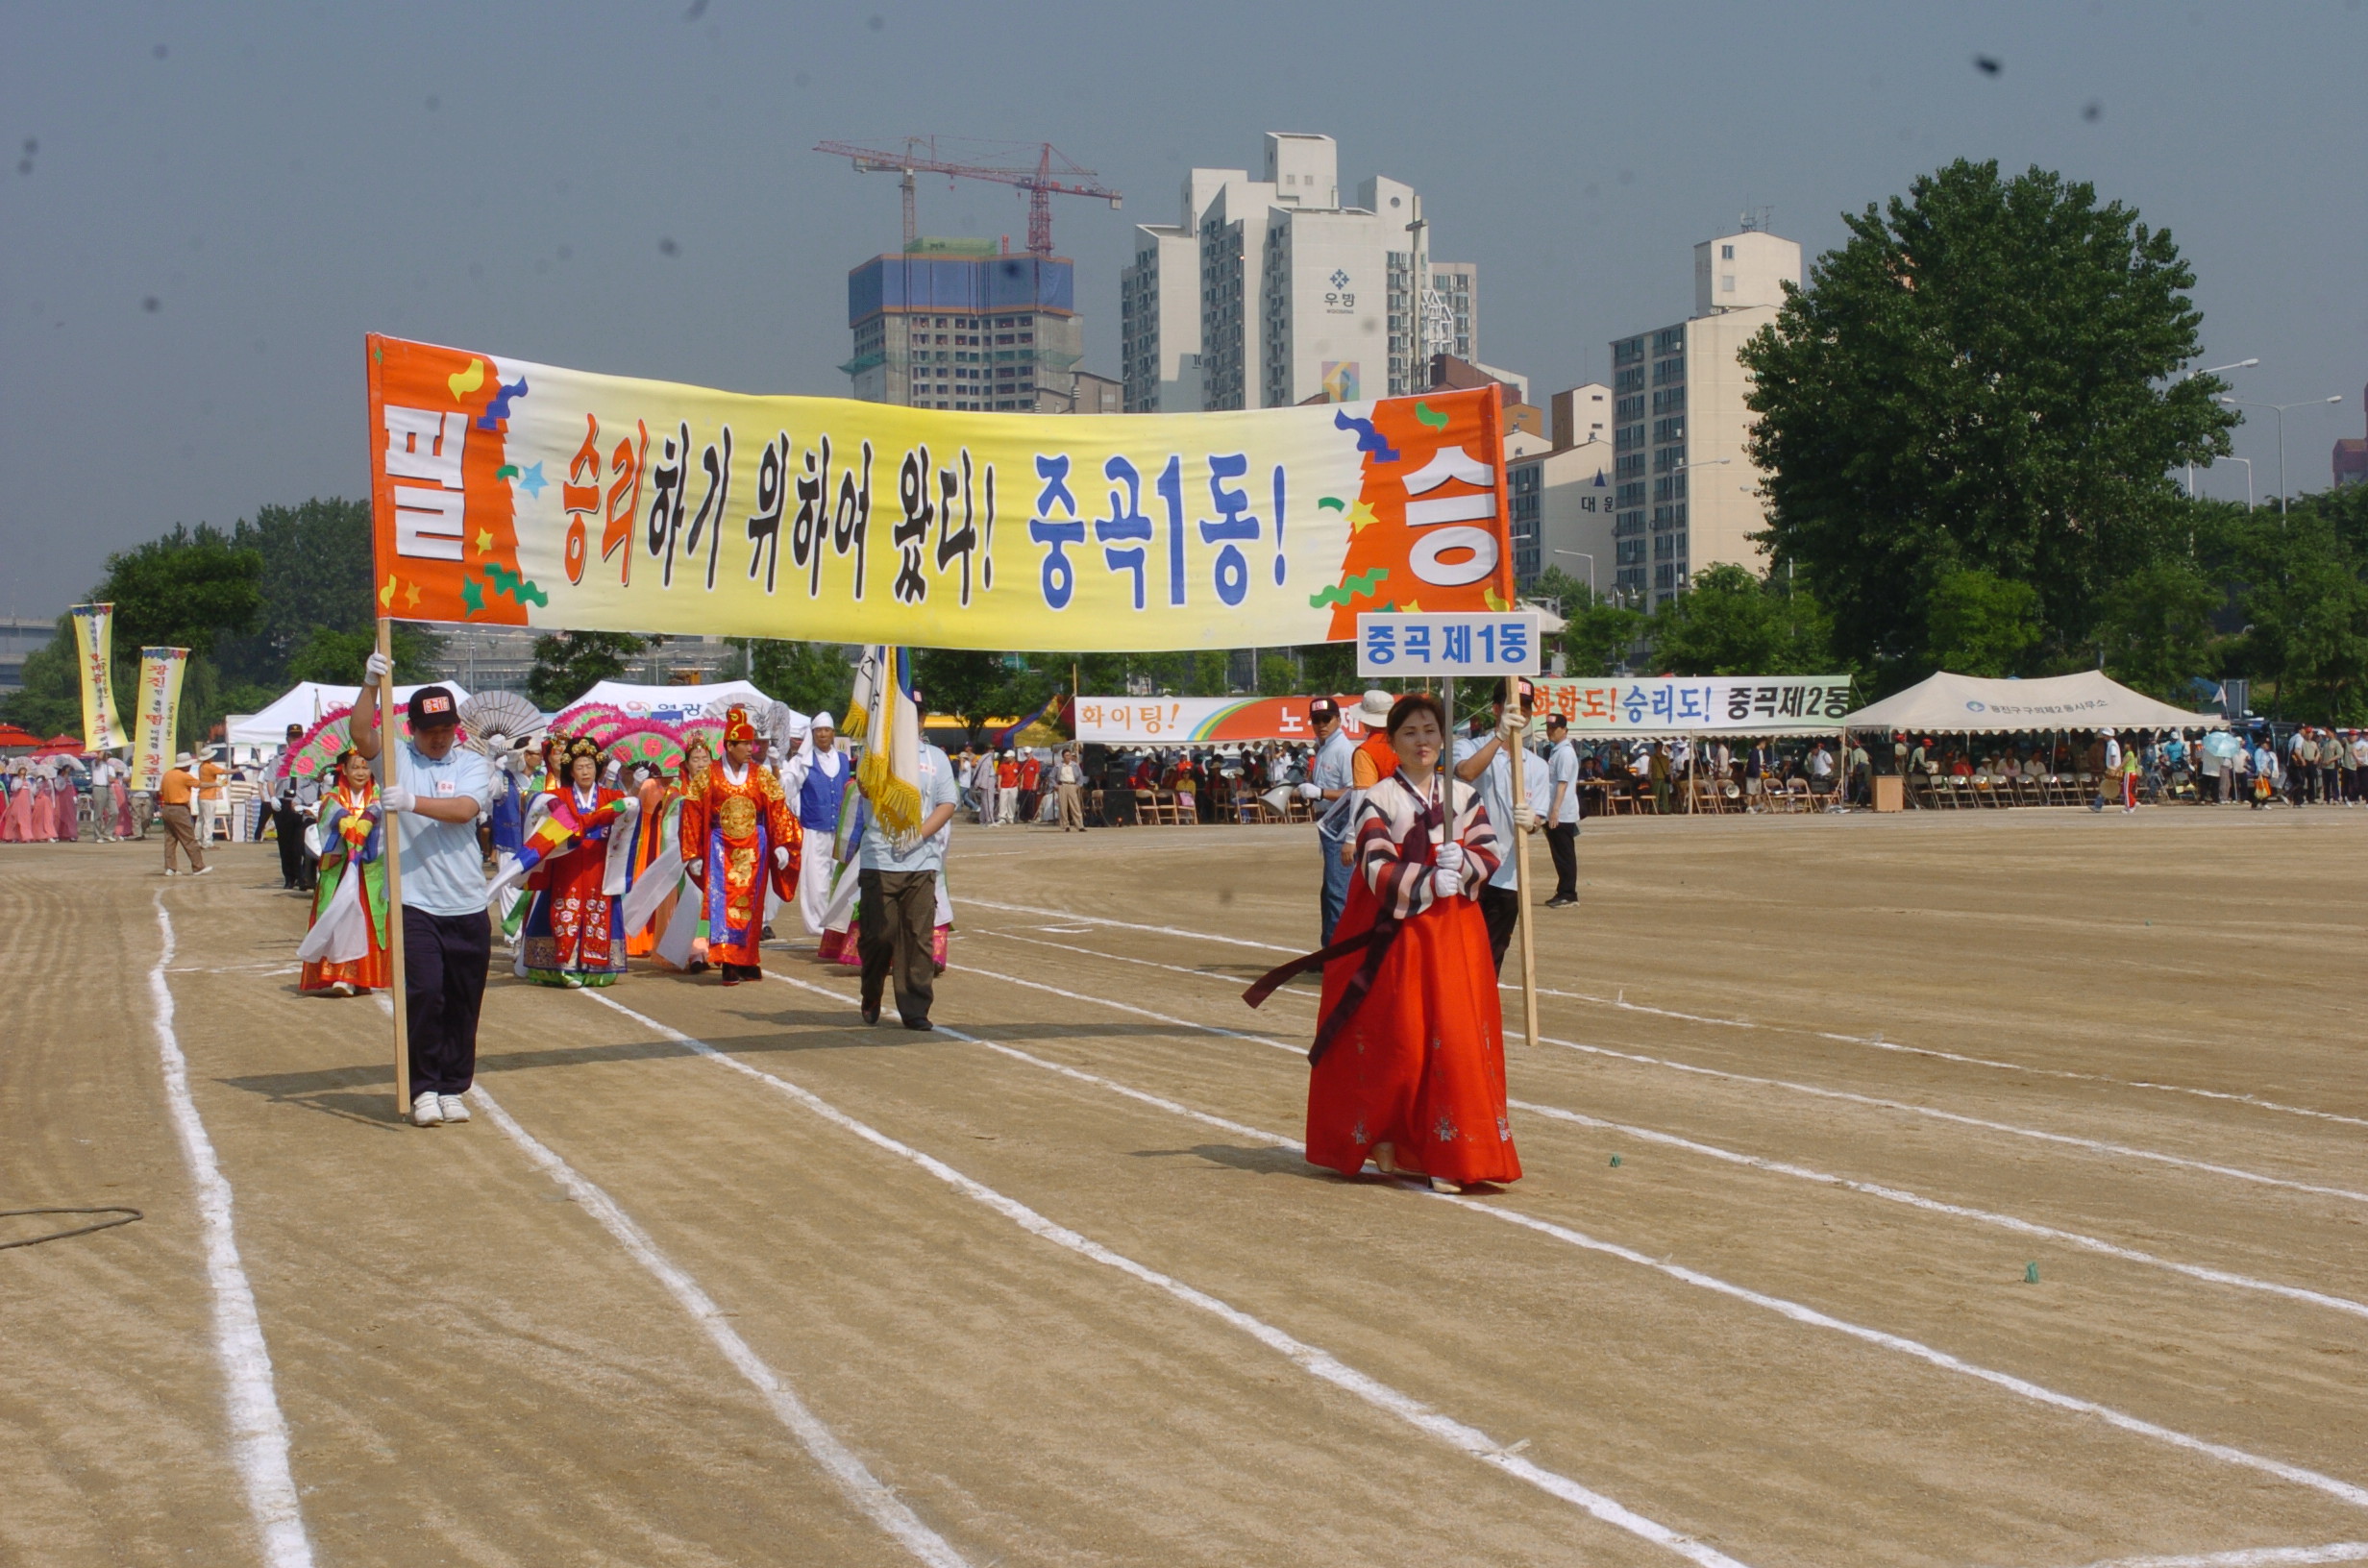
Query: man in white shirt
814, 783
1485, 762
436, 791
897, 907
1563, 809
1330, 792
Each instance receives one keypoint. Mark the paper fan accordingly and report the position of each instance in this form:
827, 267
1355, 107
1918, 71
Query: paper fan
500, 713
313, 756
649, 741
600, 721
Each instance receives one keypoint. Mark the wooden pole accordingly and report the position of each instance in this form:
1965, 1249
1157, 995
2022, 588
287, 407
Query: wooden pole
388, 774
1520, 869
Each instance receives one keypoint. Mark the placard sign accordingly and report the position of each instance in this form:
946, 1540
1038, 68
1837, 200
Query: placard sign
1418, 644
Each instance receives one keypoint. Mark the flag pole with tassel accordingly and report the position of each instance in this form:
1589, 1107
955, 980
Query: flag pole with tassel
388, 776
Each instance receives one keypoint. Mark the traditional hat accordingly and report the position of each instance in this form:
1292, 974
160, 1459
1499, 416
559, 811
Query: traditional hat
736, 727
582, 746
824, 721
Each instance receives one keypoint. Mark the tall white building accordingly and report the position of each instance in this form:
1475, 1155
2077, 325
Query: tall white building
1561, 491
1269, 293
1686, 495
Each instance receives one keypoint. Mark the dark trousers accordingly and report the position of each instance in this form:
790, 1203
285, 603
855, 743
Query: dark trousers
1501, 909
444, 960
296, 868
1563, 844
897, 919
1335, 877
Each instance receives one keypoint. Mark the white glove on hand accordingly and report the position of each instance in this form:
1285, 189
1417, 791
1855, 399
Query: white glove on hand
698, 869
1450, 857
1525, 817
1445, 884
395, 797
781, 857
376, 668
904, 843
1511, 725
1311, 791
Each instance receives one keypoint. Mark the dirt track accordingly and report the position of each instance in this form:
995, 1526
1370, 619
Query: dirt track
1755, 1357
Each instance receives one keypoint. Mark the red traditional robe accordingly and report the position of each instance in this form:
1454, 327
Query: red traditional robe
732, 829
1419, 1063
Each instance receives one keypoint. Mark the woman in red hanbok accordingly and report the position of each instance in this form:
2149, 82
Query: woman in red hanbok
1409, 1054
351, 893
575, 931
16, 825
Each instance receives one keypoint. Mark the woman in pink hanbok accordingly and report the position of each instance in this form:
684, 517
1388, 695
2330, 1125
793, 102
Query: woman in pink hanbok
44, 819
65, 804
16, 823
119, 801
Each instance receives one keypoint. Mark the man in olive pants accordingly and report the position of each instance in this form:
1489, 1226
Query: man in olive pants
896, 899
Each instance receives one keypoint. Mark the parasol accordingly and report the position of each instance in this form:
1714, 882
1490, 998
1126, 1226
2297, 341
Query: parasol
503, 716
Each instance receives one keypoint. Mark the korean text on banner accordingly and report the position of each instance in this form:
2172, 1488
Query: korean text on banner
93, 639
511, 494
157, 715
1204, 721
1448, 645
1698, 704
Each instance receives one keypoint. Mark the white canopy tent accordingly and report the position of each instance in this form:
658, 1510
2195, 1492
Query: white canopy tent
672, 703
304, 702
1958, 704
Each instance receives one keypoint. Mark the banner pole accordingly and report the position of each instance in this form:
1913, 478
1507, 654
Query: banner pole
1520, 873
387, 776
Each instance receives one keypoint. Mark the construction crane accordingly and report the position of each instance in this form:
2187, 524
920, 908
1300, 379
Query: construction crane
1054, 174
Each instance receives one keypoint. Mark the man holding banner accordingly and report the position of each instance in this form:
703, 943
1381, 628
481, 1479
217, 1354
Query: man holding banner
436, 791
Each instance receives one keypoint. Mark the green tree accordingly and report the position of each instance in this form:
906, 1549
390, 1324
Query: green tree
2156, 627
812, 677
567, 663
1979, 624
1980, 378
1729, 622
976, 685
48, 701
1598, 635
2300, 590
187, 589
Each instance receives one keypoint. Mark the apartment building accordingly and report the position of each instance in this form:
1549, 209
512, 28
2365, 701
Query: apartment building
1685, 495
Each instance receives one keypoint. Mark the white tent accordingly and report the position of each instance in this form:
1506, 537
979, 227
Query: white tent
1956, 704
672, 703
304, 702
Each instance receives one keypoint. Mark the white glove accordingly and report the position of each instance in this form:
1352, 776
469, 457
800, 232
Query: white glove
1445, 884
395, 797
698, 869
1311, 791
377, 667
1450, 857
781, 857
1525, 817
905, 844
1511, 725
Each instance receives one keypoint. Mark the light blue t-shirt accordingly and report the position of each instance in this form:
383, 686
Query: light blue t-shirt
1335, 768
1562, 772
1495, 787
937, 789
443, 871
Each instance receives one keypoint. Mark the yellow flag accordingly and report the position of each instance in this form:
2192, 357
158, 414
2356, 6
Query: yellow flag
93, 633
157, 715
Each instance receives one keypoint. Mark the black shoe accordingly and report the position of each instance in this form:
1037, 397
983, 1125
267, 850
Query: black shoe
1560, 903
921, 1024
871, 1012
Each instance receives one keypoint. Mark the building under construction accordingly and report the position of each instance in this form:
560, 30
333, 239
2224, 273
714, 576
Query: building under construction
958, 323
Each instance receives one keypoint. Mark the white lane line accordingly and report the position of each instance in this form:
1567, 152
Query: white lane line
864, 1489
1797, 1311
1779, 1167
2095, 1145
259, 1433
2256, 1556
1309, 1359
1621, 1003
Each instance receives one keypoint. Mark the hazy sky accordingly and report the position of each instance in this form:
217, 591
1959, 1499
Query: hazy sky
205, 208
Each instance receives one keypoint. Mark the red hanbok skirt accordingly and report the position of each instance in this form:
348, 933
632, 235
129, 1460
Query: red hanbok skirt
1422, 1065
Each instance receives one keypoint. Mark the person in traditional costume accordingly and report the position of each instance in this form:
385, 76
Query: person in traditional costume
577, 846
657, 854
65, 805
345, 953
16, 825
739, 842
1408, 1052
814, 781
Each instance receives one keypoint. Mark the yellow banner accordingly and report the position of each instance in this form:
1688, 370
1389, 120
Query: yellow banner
94, 635
158, 713
515, 494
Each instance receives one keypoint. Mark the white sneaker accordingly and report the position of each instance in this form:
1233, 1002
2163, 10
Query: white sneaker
454, 1107
425, 1110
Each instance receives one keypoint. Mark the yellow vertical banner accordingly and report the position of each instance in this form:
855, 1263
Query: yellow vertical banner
158, 713
93, 634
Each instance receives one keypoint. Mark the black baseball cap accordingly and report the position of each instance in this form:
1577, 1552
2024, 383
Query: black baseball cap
1321, 708
433, 705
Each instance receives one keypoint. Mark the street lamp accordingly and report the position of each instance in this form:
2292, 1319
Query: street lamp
2280, 409
2248, 462
2242, 364
1580, 555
